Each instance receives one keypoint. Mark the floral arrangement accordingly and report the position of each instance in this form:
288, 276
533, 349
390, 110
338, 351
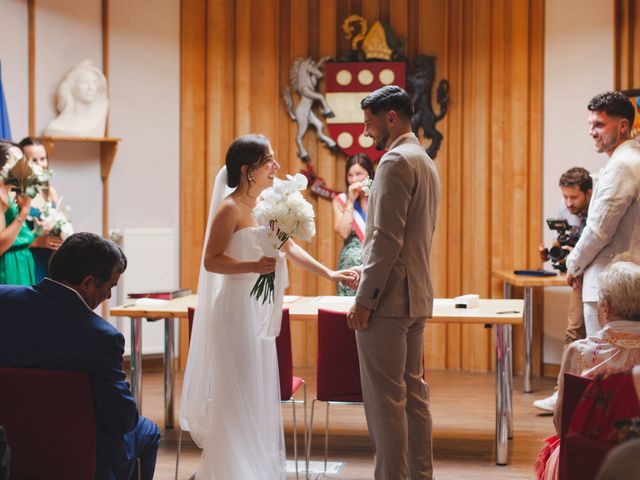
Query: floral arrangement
366, 186
54, 222
281, 213
22, 175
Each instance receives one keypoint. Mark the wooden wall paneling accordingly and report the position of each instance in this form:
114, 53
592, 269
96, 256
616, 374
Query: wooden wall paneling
243, 67
535, 190
626, 47
304, 345
220, 87
476, 250
265, 58
285, 138
326, 236
297, 48
193, 204
623, 15
636, 44
452, 202
499, 214
340, 9
433, 41
312, 144
618, 42
371, 11
396, 13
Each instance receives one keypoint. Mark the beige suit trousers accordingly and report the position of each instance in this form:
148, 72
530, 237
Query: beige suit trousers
396, 398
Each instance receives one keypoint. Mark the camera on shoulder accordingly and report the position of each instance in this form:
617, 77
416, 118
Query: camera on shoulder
567, 236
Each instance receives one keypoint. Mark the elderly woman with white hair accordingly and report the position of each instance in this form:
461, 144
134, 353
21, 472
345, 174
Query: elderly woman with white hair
615, 347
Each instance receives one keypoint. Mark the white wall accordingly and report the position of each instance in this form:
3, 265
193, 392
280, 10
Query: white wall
578, 64
15, 63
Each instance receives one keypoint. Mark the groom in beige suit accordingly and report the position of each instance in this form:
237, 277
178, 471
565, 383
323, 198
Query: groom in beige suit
395, 295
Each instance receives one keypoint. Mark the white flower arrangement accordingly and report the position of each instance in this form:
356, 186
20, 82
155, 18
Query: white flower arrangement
25, 177
14, 155
54, 222
281, 213
366, 186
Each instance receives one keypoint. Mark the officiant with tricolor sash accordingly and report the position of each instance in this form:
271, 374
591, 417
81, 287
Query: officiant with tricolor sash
350, 213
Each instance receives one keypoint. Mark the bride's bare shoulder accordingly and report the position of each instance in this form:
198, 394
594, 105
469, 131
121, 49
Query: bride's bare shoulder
229, 207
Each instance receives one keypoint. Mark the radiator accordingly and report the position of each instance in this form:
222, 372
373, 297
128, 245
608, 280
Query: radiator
151, 265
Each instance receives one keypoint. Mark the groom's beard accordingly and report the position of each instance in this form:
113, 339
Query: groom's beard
381, 141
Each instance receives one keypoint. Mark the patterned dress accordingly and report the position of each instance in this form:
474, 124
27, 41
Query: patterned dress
350, 256
351, 253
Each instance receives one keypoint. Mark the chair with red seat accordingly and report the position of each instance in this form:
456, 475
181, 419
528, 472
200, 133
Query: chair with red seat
579, 457
289, 384
338, 369
50, 424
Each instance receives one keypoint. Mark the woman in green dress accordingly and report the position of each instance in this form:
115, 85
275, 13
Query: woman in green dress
350, 215
44, 244
16, 261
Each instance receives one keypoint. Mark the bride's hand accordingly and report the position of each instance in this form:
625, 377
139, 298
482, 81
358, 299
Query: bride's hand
348, 277
265, 265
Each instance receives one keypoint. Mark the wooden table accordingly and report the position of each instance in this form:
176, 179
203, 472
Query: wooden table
528, 283
500, 313
177, 308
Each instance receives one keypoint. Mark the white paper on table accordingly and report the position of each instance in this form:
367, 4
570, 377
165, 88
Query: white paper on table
290, 298
334, 300
443, 302
150, 301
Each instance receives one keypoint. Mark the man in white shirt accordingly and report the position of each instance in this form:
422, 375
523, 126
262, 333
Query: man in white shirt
613, 221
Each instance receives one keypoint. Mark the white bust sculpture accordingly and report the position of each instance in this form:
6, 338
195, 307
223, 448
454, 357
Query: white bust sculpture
82, 103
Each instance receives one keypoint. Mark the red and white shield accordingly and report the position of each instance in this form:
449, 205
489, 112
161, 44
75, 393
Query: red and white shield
347, 83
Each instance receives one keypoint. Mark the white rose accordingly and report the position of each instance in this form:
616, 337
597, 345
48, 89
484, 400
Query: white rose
268, 241
66, 231
307, 230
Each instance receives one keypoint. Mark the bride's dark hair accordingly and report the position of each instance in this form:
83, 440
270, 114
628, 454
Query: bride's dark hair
250, 150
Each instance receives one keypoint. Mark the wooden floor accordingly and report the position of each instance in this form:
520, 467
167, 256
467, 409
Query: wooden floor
463, 408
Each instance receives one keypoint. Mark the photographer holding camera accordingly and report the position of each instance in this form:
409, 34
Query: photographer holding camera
576, 185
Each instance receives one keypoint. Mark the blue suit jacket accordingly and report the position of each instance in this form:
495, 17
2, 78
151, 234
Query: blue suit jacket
48, 326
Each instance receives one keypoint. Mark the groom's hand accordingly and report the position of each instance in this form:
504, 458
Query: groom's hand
358, 317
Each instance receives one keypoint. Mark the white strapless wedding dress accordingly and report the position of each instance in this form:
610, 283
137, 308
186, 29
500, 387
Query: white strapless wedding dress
244, 437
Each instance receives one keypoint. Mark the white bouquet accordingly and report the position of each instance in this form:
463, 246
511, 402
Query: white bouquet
24, 177
282, 212
54, 222
366, 186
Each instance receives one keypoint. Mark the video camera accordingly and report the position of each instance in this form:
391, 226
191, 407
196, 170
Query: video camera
567, 236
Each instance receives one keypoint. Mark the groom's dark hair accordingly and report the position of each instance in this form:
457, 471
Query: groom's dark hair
86, 254
388, 98
250, 150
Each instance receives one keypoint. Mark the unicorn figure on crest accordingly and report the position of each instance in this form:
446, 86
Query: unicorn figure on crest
303, 77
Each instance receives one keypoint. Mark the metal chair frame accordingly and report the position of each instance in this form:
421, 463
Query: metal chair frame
326, 428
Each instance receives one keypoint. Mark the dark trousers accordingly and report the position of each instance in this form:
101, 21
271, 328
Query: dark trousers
118, 457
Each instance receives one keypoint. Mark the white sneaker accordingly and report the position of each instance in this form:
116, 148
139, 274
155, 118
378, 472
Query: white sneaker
547, 404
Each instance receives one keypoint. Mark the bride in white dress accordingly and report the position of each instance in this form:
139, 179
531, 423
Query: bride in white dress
231, 392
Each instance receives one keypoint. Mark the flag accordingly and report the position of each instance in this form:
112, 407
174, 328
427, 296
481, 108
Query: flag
5, 129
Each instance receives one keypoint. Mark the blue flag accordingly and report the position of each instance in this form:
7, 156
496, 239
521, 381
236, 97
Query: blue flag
5, 129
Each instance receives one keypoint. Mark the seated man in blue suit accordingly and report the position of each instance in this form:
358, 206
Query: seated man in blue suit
52, 326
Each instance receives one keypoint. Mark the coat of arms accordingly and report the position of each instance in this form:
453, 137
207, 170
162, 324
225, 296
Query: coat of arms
375, 60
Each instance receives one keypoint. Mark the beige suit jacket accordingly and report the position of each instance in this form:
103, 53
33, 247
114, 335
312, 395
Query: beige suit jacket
401, 217
613, 222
